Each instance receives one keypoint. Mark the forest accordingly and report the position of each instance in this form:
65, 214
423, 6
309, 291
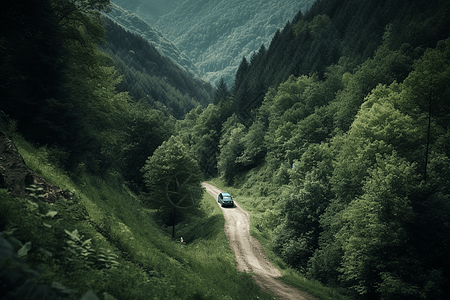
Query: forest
342, 127
338, 131
151, 76
139, 26
215, 34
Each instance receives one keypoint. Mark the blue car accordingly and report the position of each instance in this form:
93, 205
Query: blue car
225, 199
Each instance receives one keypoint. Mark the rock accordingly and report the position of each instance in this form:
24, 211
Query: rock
16, 176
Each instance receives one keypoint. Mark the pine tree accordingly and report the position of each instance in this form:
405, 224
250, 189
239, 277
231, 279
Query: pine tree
221, 91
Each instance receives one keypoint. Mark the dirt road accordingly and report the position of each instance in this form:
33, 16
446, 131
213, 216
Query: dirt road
249, 253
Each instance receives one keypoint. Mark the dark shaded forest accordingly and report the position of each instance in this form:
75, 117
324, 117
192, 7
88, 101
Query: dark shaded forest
150, 76
134, 23
339, 128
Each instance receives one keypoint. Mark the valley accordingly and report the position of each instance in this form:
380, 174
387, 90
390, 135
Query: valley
215, 35
333, 139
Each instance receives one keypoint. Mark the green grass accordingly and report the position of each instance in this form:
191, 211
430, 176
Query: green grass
149, 263
264, 214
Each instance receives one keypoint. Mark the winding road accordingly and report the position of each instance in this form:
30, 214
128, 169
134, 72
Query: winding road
249, 253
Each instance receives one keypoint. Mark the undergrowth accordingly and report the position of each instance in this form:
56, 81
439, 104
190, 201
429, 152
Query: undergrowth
104, 244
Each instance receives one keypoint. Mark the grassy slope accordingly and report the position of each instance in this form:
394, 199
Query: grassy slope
259, 208
151, 264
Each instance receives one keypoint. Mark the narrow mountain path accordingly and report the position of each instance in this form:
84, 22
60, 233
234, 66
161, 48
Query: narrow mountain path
249, 253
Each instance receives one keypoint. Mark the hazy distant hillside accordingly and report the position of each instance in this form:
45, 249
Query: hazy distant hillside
149, 10
216, 34
139, 26
152, 76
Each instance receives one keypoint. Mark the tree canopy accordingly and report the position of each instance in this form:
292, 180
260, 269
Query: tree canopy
339, 129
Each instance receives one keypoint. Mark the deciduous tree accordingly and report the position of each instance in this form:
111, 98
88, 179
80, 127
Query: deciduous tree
172, 178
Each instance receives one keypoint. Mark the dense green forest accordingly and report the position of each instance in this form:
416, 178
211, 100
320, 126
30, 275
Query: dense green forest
66, 92
139, 26
338, 131
152, 77
216, 34
211, 36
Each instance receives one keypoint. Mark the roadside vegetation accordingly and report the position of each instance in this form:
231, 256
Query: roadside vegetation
259, 210
105, 241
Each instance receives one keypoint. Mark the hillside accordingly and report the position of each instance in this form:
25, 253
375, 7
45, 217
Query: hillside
150, 10
336, 141
334, 138
102, 243
334, 36
135, 24
225, 31
151, 76
215, 35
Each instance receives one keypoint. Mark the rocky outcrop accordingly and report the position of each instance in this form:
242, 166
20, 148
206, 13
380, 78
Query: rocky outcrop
16, 176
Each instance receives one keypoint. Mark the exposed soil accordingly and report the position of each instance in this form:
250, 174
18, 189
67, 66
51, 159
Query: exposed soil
16, 176
249, 253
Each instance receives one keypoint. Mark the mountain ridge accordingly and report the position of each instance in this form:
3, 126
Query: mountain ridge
152, 76
222, 32
152, 10
134, 23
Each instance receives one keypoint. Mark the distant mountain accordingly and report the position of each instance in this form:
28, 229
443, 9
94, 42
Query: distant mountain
149, 10
139, 26
148, 75
216, 34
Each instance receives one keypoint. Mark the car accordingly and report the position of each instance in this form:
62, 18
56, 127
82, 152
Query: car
225, 199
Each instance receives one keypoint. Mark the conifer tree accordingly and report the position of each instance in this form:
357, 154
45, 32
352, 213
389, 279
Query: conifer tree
221, 91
